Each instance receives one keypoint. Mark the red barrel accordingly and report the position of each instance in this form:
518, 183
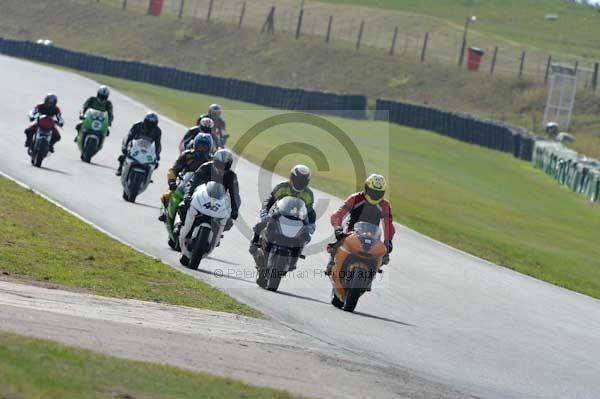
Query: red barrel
474, 58
156, 7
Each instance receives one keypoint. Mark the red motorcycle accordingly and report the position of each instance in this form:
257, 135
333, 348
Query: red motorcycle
40, 143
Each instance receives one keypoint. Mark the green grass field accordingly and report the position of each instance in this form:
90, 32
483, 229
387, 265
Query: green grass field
41, 242
36, 369
520, 21
482, 201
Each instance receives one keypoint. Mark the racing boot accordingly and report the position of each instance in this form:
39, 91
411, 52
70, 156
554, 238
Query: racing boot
184, 260
330, 266
119, 171
254, 245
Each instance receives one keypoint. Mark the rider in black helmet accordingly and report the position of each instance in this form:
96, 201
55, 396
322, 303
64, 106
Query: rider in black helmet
146, 128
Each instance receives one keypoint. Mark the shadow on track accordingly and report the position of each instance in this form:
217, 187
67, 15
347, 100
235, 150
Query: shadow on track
370, 316
306, 298
222, 261
103, 166
55, 171
148, 206
223, 275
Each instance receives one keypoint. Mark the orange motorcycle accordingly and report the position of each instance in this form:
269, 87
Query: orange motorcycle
357, 261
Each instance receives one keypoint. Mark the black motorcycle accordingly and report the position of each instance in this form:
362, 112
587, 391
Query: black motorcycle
281, 242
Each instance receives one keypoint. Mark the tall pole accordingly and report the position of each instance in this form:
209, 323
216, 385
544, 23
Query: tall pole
424, 50
463, 46
328, 37
394, 38
181, 6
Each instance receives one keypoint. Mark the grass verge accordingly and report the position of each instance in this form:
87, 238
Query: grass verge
478, 200
520, 21
33, 368
42, 242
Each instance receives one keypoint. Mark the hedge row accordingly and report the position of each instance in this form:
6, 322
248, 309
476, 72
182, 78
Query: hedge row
575, 171
271, 96
486, 133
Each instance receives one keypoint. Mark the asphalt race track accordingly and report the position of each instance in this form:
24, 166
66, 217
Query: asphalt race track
449, 316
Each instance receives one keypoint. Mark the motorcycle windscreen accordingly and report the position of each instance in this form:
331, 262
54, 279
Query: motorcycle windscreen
205, 202
289, 227
292, 208
142, 150
367, 231
96, 120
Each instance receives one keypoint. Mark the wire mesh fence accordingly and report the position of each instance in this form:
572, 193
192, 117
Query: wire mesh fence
400, 34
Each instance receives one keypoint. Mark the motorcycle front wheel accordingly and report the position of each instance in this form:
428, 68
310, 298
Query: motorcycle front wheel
201, 245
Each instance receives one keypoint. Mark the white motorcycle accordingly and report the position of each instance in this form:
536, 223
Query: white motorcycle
138, 168
205, 221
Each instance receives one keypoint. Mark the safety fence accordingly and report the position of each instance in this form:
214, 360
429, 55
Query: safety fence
491, 134
579, 173
271, 96
486, 133
403, 34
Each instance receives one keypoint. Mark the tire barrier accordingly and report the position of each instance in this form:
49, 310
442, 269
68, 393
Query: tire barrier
346, 105
491, 134
579, 173
486, 133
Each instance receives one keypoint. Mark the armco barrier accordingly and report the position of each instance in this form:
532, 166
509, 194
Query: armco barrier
348, 105
486, 133
579, 173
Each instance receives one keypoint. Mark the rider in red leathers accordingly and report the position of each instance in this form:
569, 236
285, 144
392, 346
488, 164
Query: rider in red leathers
365, 206
48, 108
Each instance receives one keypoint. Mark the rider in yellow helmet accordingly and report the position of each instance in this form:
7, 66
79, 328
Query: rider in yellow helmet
365, 206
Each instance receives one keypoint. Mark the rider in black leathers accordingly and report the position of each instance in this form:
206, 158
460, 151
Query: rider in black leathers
218, 170
146, 128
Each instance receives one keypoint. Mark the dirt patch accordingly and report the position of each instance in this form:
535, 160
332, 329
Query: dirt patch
256, 351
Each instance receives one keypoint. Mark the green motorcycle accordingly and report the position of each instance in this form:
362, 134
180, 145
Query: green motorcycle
91, 134
172, 222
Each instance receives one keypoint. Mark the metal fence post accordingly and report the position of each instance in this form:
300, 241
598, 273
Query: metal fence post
394, 39
328, 37
494, 58
210, 8
595, 77
522, 65
548, 65
424, 50
360, 33
181, 5
242, 15
124, 6
299, 24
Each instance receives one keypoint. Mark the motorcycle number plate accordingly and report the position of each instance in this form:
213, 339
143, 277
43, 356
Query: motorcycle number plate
213, 207
96, 125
